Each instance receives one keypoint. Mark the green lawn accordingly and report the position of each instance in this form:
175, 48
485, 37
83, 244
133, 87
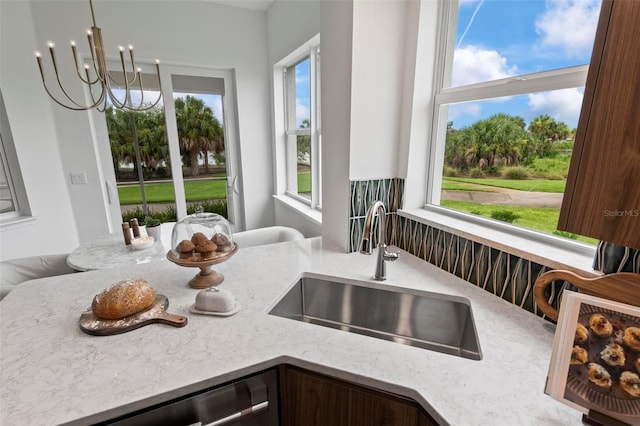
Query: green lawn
537, 185
538, 218
195, 190
304, 182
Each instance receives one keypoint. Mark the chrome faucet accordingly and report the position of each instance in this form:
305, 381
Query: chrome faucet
365, 246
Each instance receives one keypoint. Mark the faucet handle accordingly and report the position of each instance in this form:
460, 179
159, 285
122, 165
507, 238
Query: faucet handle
390, 256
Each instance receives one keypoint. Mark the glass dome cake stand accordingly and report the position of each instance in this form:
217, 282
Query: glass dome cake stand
202, 240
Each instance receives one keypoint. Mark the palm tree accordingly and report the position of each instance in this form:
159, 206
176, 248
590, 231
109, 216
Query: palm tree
199, 132
492, 142
548, 127
545, 131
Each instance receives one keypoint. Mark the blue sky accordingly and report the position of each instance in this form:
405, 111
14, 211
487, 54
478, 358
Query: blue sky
303, 92
502, 38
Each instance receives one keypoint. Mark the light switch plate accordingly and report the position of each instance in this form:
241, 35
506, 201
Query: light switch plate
78, 178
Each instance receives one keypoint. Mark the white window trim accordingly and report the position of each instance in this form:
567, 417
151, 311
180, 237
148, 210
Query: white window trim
285, 152
543, 248
22, 210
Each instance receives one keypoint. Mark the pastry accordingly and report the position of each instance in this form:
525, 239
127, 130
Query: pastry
598, 375
637, 364
631, 338
198, 238
630, 383
579, 355
582, 334
600, 325
185, 248
122, 299
223, 242
205, 248
613, 354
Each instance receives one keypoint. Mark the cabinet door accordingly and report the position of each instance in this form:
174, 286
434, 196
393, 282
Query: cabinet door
367, 408
311, 400
602, 197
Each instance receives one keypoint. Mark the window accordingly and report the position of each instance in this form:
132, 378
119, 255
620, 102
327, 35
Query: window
8, 202
178, 172
13, 201
301, 131
511, 83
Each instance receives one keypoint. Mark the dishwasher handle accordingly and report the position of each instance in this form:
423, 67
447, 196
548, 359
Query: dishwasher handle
235, 416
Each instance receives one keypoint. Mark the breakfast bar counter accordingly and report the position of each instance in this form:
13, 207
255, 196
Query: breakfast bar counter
53, 373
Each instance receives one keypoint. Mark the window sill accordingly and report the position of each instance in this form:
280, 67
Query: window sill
16, 222
554, 253
313, 215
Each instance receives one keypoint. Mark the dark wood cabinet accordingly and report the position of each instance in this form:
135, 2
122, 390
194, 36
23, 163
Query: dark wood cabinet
602, 196
311, 399
308, 399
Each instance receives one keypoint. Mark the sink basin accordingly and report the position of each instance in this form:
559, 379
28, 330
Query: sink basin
433, 321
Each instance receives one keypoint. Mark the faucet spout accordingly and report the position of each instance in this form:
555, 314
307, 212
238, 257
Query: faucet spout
377, 208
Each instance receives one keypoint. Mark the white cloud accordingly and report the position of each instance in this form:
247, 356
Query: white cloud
563, 105
466, 109
302, 112
569, 25
472, 64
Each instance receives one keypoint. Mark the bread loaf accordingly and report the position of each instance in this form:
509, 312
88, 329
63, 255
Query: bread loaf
124, 298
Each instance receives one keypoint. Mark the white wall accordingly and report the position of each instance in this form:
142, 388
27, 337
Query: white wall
196, 33
336, 79
376, 87
290, 24
52, 229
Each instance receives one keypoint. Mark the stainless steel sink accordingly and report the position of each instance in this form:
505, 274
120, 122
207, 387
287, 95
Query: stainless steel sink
431, 321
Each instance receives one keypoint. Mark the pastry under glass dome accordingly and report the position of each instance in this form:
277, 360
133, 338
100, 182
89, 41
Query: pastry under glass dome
200, 240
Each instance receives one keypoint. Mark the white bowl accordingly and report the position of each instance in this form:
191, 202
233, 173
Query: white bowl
142, 243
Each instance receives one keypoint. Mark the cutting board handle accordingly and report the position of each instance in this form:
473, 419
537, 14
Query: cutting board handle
165, 317
620, 287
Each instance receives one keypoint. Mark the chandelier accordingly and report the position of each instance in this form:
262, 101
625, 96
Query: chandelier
101, 84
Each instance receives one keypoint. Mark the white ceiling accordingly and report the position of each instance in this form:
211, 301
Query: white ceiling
262, 5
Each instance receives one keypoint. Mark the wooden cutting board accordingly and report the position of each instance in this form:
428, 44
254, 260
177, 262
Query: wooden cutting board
156, 313
620, 287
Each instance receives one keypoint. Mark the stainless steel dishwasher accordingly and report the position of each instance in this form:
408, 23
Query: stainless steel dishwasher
250, 401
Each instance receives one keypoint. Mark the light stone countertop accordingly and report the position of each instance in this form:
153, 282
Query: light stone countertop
53, 373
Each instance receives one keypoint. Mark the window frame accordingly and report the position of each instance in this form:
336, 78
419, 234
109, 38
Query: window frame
21, 207
556, 79
310, 51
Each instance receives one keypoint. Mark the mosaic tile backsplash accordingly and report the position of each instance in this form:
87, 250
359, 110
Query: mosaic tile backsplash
503, 274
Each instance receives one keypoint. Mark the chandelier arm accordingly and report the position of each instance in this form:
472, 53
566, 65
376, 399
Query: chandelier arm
114, 99
92, 50
55, 68
159, 89
101, 99
141, 88
135, 71
88, 81
124, 69
76, 107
